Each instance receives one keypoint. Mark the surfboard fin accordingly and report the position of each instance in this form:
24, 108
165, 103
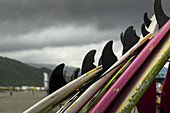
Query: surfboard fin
146, 19
159, 13
57, 80
75, 74
129, 39
88, 61
108, 57
143, 30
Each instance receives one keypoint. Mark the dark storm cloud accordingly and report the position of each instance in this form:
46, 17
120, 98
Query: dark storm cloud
19, 17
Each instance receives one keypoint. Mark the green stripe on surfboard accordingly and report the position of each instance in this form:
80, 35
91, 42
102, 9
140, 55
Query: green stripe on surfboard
116, 74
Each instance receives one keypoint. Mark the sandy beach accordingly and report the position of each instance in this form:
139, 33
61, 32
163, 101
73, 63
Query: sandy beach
19, 101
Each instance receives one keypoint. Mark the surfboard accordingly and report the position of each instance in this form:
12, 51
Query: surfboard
119, 84
141, 81
63, 92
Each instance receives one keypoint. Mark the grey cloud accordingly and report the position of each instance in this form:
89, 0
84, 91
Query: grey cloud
37, 14
73, 39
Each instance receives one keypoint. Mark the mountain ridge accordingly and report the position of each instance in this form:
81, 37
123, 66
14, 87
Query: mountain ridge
16, 73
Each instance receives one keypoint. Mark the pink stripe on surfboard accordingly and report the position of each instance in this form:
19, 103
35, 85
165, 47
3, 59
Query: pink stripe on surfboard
123, 79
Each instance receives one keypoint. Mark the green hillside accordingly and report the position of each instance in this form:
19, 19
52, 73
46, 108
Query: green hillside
16, 73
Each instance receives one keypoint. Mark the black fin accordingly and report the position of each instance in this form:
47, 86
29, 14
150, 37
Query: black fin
129, 39
57, 80
143, 30
75, 74
159, 13
108, 57
146, 19
88, 62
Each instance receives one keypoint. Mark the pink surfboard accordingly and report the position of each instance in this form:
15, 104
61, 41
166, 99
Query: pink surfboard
128, 73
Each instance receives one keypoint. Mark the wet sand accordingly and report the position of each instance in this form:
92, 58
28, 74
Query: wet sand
19, 101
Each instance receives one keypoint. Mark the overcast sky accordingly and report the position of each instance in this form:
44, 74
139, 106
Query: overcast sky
56, 31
